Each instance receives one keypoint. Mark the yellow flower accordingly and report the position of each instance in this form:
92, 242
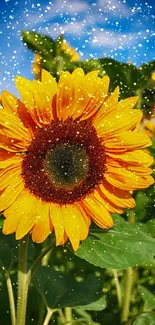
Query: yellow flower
70, 51
148, 127
70, 153
153, 76
36, 66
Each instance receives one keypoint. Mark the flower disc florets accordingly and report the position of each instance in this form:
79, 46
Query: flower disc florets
64, 162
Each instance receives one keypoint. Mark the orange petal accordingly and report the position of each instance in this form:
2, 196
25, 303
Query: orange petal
9, 158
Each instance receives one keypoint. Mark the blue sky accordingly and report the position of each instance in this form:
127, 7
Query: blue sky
123, 30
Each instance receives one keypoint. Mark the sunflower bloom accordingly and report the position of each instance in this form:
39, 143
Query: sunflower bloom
70, 153
65, 47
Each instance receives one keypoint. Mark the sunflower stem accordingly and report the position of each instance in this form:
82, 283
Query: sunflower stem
118, 288
23, 283
127, 298
68, 315
11, 298
128, 281
48, 316
44, 262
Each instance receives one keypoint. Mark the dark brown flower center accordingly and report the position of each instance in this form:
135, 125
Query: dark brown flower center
64, 162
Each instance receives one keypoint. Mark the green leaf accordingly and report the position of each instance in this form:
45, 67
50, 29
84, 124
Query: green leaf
148, 298
127, 76
8, 250
97, 305
123, 246
85, 317
148, 68
44, 45
142, 203
151, 227
145, 319
60, 290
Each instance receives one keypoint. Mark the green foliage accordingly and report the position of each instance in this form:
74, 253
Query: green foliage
60, 290
121, 247
145, 319
148, 298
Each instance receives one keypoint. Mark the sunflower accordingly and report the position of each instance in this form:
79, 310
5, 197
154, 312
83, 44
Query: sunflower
66, 48
70, 153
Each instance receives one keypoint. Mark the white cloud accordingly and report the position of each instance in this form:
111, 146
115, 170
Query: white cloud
56, 9
114, 7
116, 40
74, 28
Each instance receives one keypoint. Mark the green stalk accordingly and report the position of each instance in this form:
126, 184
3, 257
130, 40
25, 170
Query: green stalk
23, 283
118, 289
48, 316
128, 282
11, 298
68, 315
127, 298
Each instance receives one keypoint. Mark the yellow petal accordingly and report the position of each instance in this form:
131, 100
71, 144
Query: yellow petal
136, 158
125, 179
42, 229
96, 209
109, 102
97, 96
119, 122
127, 141
27, 208
57, 221
118, 197
13, 128
49, 83
11, 193
8, 175
75, 225
9, 101
65, 96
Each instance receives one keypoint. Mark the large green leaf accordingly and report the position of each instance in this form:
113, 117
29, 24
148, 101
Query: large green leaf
42, 44
148, 298
60, 290
127, 76
145, 319
8, 251
123, 246
148, 68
